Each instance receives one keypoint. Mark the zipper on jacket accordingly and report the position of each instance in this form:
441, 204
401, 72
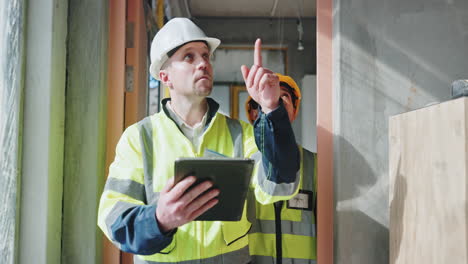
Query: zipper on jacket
279, 248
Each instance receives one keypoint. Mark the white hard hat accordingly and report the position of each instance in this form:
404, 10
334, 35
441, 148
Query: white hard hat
173, 34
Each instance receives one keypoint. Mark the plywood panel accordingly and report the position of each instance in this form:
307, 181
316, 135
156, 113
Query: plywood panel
428, 213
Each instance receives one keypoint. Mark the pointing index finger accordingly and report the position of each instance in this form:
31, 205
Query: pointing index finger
258, 53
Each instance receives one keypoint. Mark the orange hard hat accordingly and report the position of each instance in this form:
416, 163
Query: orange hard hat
285, 81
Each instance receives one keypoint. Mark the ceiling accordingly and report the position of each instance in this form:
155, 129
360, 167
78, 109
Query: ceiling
242, 8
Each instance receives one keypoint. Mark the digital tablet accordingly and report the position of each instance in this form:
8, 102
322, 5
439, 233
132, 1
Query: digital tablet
230, 175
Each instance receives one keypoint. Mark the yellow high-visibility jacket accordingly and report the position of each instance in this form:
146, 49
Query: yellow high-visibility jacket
292, 224
127, 188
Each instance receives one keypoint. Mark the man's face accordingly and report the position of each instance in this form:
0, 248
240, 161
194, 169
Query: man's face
189, 71
287, 102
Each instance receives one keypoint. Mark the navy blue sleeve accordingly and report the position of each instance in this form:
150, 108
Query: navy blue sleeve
137, 231
275, 139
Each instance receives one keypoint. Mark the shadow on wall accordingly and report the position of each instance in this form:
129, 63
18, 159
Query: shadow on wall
394, 56
396, 214
361, 216
416, 56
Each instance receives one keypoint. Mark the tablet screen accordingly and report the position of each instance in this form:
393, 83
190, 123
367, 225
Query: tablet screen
230, 175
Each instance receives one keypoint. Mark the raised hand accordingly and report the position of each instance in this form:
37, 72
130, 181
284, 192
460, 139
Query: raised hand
177, 207
262, 84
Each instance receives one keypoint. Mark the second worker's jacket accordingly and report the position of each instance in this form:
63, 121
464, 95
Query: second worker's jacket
144, 162
285, 232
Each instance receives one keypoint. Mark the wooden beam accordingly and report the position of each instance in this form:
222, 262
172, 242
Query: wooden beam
325, 208
115, 95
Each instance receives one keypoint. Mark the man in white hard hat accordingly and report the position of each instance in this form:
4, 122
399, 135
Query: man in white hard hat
141, 210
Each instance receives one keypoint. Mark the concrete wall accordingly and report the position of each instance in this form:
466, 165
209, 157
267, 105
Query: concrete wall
309, 120
43, 132
245, 31
389, 57
11, 65
85, 126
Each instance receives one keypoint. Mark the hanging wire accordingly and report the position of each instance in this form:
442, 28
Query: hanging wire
273, 9
300, 29
280, 28
300, 8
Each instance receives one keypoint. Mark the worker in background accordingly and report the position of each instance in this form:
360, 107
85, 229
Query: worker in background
141, 210
285, 232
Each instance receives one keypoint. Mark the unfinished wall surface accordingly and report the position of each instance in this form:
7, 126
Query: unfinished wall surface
283, 32
84, 164
11, 63
389, 57
43, 129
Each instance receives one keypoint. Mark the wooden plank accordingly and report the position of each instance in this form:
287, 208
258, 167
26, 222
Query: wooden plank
428, 213
325, 203
115, 99
136, 58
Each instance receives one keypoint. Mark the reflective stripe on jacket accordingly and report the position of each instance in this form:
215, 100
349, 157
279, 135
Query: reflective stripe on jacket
298, 230
127, 188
